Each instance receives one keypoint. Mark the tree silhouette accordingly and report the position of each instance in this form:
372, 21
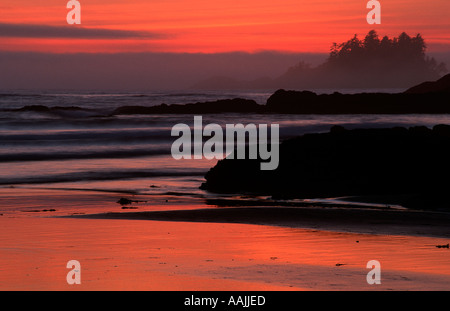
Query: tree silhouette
398, 62
388, 54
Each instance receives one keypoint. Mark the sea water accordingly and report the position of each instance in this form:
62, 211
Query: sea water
70, 152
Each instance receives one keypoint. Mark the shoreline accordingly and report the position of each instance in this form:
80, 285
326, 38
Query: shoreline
122, 255
349, 220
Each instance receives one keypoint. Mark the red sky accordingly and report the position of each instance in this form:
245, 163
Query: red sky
221, 26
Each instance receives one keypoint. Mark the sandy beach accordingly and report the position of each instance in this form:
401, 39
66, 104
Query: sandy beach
133, 251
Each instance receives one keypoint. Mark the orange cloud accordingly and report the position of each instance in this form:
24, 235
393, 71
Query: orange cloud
229, 25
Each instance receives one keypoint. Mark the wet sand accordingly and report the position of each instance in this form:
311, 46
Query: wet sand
358, 220
136, 254
192, 246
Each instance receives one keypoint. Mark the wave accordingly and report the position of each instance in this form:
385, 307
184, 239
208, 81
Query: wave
106, 154
49, 122
60, 111
100, 176
5, 95
87, 136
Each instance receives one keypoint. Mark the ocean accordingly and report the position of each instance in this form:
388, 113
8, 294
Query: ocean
65, 152
64, 171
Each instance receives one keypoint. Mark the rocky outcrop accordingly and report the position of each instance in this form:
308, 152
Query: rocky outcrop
306, 102
440, 86
397, 162
219, 106
426, 98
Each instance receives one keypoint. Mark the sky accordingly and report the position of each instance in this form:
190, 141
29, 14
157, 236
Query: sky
206, 26
174, 44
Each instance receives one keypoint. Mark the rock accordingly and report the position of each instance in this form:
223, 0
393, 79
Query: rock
442, 129
289, 101
337, 129
124, 201
440, 86
408, 166
429, 97
443, 246
225, 105
305, 102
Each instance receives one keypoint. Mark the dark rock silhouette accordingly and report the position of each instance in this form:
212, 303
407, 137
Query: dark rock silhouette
125, 201
443, 246
429, 98
397, 165
306, 102
219, 106
440, 86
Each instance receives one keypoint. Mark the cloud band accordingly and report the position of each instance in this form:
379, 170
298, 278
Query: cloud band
72, 32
